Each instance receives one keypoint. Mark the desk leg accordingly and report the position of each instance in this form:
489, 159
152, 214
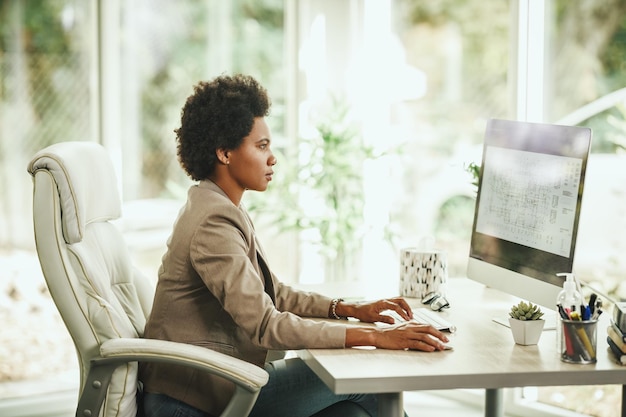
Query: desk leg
623, 400
391, 404
494, 407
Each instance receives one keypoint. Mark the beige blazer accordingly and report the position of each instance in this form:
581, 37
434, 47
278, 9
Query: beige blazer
211, 292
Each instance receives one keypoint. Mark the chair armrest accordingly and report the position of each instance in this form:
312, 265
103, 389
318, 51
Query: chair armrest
248, 378
242, 373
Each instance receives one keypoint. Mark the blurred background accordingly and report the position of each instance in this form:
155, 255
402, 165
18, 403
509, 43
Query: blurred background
379, 108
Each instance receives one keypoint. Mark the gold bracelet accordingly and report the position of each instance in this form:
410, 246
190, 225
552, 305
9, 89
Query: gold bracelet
333, 308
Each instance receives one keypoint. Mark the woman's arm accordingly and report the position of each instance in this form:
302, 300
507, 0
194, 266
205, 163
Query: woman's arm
370, 312
406, 336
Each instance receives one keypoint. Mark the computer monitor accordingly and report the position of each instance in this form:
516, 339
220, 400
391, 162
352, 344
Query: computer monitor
527, 208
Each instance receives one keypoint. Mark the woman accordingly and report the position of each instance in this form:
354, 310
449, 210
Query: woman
216, 289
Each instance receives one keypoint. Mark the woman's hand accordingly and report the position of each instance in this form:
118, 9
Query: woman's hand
405, 336
370, 312
410, 335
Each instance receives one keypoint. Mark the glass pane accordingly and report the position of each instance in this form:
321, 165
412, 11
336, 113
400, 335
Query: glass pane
168, 48
464, 64
46, 96
171, 46
392, 98
595, 400
585, 78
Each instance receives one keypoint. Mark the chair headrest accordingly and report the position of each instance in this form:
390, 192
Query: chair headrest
86, 183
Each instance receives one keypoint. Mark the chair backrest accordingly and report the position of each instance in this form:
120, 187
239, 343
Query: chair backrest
85, 261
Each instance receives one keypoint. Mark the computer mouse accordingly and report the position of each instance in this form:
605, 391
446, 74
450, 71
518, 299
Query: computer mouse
439, 303
429, 298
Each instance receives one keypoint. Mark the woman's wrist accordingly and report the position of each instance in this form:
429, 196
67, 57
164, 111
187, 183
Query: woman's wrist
361, 336
334, 310
339, 309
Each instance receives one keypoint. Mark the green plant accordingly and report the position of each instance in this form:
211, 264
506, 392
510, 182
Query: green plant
332, 172
474, 170
526, 311
319, 189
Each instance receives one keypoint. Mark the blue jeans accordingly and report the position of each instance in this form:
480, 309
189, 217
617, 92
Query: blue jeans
160, 405
293, 390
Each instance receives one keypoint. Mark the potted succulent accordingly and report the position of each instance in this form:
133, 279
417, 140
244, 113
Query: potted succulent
526, 323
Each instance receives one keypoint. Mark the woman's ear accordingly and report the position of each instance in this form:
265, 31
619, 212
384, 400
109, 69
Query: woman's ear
222, 156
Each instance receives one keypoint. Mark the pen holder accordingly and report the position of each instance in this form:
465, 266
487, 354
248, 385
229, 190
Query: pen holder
578, 341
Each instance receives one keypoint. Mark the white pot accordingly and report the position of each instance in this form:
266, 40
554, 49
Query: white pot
526, 332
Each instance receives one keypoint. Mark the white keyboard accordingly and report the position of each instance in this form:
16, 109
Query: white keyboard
425, 315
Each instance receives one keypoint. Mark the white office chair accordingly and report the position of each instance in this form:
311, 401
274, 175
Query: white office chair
102, 299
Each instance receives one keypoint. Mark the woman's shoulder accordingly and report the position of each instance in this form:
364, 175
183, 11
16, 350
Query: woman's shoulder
208, 201
208, 195
208, 188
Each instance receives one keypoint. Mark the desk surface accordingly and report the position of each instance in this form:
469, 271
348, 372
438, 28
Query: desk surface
484, 355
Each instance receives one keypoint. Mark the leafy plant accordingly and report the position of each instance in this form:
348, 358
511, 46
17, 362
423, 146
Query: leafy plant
474, 170
526, 311
320, 190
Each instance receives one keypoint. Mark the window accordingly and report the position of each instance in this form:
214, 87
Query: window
47, 95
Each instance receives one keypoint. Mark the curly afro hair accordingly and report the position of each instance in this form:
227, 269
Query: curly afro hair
218, 115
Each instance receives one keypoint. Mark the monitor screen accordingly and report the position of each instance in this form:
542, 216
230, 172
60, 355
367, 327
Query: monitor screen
527, 207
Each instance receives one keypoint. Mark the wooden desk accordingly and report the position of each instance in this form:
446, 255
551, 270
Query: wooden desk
484, 356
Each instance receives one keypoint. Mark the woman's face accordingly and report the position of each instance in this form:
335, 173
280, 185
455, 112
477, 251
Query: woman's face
250, 165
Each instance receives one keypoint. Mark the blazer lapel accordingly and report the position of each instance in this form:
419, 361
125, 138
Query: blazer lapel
267, 277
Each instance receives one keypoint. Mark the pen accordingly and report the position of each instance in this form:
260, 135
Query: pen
568, 313
569, 347
592, 302
596, 314
587, 349
586, 313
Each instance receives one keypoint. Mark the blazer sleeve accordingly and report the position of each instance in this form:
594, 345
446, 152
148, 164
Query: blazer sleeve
302, 303
222, 252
